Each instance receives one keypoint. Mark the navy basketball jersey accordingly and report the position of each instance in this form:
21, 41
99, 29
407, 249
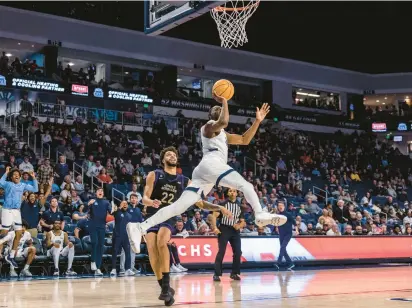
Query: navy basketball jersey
167, 189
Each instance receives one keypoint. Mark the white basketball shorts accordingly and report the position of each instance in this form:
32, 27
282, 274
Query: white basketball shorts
10, 218
207, 174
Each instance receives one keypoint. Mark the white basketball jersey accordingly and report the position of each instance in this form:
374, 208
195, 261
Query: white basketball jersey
57, 239
215, 147
11, 235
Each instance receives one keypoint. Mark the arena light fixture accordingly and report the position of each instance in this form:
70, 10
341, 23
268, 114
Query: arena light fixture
178, 80
70, 63
8, 54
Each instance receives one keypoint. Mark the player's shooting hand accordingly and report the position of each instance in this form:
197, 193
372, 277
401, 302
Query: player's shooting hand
91, 202
226, 212
262, 112
219, 99
156, 203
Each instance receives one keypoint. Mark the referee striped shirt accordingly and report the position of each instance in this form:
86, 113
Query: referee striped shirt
236, 210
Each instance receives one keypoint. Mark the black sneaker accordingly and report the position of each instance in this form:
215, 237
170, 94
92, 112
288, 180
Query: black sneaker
235, 277
216, 278
56, 272
171, 301
291, 266
276, 267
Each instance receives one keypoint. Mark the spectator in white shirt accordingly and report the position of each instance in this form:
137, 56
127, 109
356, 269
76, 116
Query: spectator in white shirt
408, 219
146, 161
129, 167
26, 166
95, 169
334, 231
46, 138
135, 192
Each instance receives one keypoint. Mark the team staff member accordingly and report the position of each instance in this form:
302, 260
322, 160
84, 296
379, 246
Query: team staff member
120, 239
285, 235
99, 208
228, 232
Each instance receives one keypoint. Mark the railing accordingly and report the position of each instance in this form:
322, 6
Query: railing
316, 191
248, 162
45, 147
78, 170
118, 196
95, 184
34, 138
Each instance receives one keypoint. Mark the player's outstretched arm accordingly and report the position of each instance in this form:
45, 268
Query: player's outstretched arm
250, 133
214, 208
3, 182
216, 126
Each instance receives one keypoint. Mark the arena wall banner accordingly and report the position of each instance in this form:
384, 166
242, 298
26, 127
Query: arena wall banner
266, 249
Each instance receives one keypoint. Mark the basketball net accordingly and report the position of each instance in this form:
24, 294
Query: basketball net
231, 19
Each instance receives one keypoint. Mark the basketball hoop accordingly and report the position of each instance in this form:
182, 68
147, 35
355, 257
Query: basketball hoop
231, 19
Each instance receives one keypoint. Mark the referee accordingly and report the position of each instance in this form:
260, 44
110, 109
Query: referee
228, 231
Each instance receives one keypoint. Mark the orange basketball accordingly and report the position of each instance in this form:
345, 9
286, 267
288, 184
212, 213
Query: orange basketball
224, 88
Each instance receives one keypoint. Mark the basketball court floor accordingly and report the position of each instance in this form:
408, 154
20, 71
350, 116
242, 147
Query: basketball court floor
358, 287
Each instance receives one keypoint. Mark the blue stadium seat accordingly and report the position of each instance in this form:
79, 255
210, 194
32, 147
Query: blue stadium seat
87, 244
69, 228
67, 219
78, 247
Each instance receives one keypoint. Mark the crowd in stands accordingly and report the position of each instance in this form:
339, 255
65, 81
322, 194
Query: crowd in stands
332, 184
26, 68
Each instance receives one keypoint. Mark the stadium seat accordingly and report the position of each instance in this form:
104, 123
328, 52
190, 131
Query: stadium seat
87, 244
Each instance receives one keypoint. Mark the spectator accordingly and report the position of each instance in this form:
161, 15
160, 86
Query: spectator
50, 216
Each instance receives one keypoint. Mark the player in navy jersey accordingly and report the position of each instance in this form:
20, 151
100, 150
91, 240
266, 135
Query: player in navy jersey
164, 187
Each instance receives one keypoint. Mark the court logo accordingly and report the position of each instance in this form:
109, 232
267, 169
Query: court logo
2, 80
98, 93
402, 127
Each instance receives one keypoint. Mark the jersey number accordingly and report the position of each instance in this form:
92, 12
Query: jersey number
167, 198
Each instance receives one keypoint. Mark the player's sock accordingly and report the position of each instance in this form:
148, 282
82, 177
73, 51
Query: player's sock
187, 199
165, 283
12, 254
160, 282
26, 267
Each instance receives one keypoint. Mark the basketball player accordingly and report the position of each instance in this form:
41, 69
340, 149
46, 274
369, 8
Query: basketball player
213, 170
164, 187
29, 252
55, 240
10, 214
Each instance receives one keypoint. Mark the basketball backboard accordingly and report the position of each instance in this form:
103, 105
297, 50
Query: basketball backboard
161, 16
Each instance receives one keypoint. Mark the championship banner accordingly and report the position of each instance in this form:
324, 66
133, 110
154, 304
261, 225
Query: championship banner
266, 249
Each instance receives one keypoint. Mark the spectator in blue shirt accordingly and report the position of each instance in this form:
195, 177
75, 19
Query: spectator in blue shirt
51, 215
62, 169
98, 209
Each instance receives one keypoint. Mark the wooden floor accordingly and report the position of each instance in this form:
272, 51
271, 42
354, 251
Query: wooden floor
366, 287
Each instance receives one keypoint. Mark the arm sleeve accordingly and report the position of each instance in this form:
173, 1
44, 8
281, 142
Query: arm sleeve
3, 181
32, 188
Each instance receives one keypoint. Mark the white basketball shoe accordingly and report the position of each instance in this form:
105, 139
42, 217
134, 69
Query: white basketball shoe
264, 218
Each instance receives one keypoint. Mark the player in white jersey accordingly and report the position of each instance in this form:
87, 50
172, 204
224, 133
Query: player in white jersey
24, 249
213, 170
59, 245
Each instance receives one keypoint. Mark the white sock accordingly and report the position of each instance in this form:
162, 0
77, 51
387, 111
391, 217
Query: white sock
235, 180
70, 258
26, 267
186, 200
12, 254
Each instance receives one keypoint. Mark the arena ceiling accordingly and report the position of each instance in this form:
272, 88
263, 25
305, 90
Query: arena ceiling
370, 37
